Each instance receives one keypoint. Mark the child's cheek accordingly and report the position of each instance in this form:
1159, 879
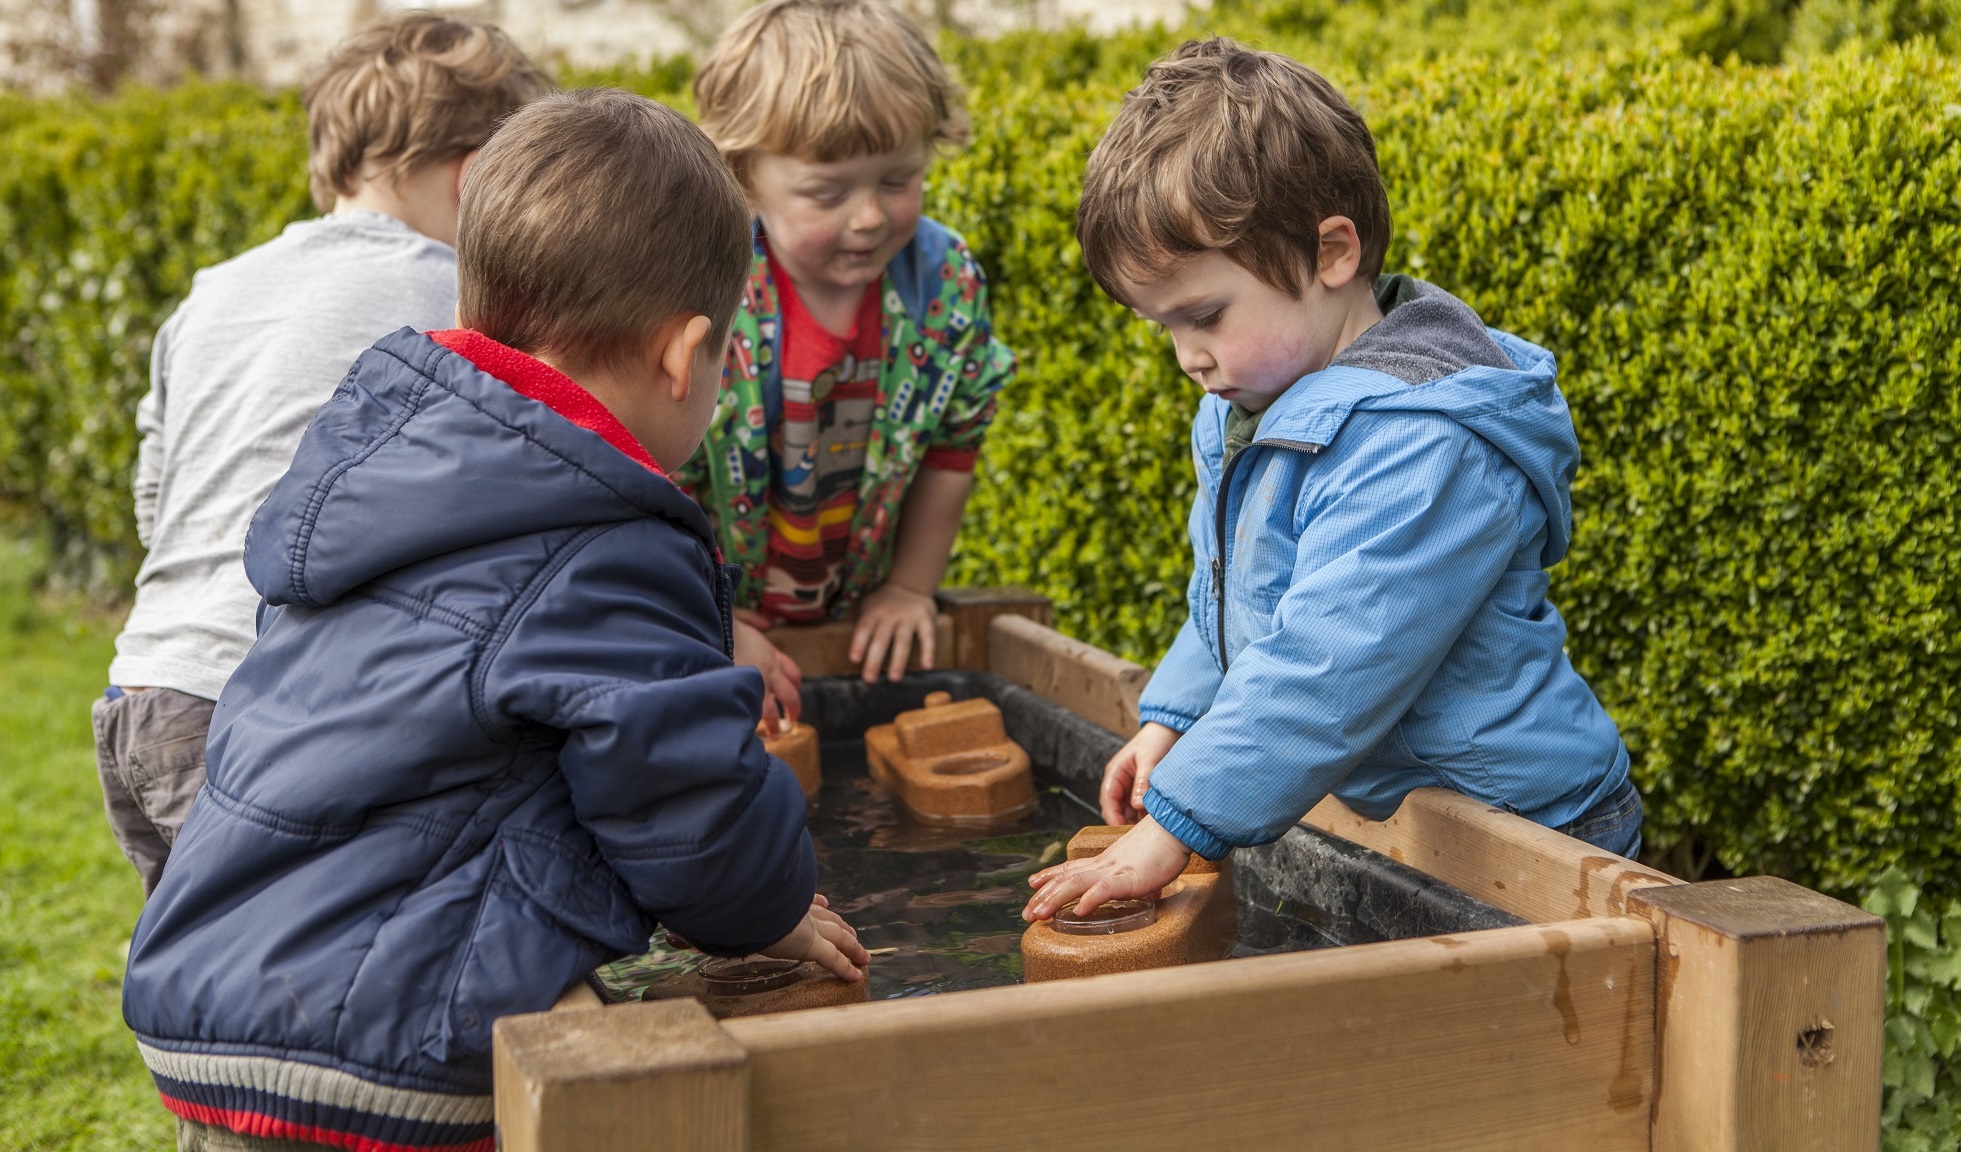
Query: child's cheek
1267, 364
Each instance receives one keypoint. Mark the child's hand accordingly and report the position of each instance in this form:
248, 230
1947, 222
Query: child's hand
1128, 774
890, 619
824, 937
1143, 860
782, 679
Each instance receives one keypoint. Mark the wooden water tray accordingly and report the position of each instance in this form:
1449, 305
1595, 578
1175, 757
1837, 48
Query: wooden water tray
1599, 1005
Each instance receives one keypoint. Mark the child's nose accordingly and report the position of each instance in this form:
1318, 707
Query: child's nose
1195, 361
868, 215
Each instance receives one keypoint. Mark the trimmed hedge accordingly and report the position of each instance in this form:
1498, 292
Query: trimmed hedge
106, 209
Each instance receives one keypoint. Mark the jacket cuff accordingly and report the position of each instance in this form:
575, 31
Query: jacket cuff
1187, 830
1176, 721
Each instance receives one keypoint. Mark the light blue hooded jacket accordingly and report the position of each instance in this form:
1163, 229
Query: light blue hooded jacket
1376, 561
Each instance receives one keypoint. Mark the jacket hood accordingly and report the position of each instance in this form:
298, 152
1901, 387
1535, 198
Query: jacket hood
420, 453
1515, 404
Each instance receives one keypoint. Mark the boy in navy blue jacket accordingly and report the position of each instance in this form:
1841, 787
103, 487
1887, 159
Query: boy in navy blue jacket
490, 734
1383, 483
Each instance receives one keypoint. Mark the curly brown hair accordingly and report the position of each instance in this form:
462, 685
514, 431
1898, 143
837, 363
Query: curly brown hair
1224, 148
409, 91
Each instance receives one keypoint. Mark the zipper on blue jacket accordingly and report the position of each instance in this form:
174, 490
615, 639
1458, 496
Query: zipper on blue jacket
725, 601
1219, 520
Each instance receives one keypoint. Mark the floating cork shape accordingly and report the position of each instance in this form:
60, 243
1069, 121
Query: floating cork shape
754, 985
952, 763
1191, 921
798, 749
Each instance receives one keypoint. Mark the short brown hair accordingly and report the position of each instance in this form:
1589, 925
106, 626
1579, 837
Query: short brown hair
826, 80
409, 91
591, 219
1223, 148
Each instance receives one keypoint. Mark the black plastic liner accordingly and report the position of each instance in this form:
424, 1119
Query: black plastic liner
1306, 890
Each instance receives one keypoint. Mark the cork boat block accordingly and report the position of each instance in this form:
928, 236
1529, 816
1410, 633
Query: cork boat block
952, 763
1192, 921
798, 749
754, 985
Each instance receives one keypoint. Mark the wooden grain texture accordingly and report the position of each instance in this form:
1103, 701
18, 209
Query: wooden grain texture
1770, 1010
825, 649
578, 997
973, 609
1539, 1037
1084, 679
1527, 869
627, 1079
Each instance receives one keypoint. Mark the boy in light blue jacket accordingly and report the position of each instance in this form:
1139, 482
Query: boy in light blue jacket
1383, 483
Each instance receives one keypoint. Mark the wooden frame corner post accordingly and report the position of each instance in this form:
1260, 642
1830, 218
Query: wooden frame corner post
973, 611
632, 1077
1770, 1005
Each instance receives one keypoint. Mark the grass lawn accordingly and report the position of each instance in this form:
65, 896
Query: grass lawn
69, 1074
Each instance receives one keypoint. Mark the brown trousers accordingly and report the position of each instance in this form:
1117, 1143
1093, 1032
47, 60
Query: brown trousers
149, 748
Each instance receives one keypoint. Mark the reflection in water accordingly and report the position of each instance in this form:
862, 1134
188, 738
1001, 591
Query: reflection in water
939, 907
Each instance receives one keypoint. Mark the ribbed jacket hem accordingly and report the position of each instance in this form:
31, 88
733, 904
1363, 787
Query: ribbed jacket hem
293, 1100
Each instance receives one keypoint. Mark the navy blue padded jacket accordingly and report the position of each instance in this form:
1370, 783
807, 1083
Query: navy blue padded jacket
490, 735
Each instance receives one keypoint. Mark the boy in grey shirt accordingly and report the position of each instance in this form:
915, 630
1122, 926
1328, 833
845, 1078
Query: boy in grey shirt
236, 373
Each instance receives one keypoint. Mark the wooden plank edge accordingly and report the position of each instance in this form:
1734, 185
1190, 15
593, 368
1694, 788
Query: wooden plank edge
1088, 681
1507, 861
1538, 1037
1123, 991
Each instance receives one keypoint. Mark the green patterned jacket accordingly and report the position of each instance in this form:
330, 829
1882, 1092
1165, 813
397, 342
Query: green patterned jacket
936, 394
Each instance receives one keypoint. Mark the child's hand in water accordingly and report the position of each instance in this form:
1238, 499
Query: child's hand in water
782, 679
1128, 774
891, 618
824, 937
1143, 860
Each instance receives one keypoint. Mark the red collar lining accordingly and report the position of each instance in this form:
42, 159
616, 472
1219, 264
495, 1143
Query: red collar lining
534, 379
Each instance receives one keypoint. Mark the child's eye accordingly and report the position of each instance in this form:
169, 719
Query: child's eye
1207, 321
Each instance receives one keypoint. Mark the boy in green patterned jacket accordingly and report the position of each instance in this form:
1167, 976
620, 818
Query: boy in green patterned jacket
863, 368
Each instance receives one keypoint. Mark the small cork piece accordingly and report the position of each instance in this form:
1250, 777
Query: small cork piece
809, 985
952, 763
798, 749
1196, 922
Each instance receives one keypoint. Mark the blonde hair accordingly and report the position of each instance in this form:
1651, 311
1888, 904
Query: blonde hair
1223, 148
409, 91
591, 219
826, 80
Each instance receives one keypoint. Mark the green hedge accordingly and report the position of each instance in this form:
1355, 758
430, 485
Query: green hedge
106, 209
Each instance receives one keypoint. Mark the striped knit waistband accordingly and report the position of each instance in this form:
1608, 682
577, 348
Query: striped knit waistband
293, 1100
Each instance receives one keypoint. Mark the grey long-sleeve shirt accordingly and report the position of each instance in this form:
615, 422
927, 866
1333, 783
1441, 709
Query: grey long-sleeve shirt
235, 375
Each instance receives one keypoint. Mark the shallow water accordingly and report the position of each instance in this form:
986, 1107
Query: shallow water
939, 908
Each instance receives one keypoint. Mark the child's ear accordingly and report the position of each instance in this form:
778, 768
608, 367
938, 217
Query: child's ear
682, 344
463, 170
1340, 257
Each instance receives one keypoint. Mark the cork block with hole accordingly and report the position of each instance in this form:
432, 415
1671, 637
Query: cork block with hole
798, 749
952, 763
1192, 920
